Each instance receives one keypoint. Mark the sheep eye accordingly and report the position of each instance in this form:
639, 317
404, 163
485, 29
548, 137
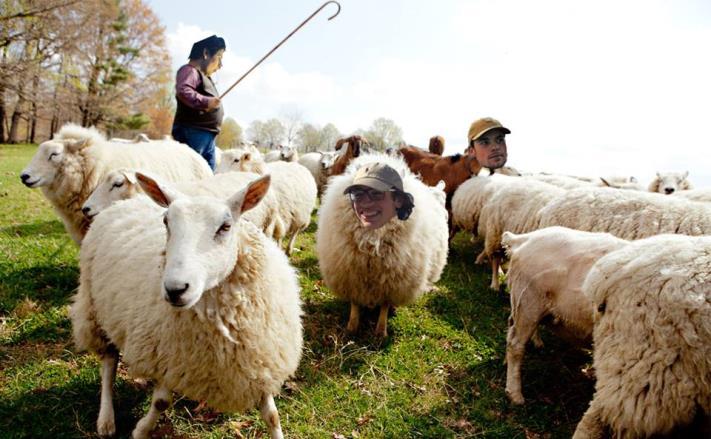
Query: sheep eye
52, 155
165, 220
236, 160
117, 185
225, 227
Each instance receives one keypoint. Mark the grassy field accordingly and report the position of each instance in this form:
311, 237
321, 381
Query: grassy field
440, 373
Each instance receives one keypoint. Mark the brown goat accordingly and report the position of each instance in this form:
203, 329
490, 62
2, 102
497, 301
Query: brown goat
354, 146
437, 145
452, 169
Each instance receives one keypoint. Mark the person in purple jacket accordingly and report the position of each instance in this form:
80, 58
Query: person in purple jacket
199, 113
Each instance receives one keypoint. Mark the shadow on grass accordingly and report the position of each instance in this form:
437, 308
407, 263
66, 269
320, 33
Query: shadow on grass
69, 410
44, 228
49, 285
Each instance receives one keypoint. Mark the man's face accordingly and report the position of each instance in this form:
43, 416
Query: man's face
490, 149
214, 62
373, 208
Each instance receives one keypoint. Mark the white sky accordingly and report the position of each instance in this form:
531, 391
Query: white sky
600, 87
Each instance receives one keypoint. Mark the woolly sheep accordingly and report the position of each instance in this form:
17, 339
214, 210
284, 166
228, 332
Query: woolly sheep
562, 181
626, 214
209, 309
121, 184
515, 207
652, 338
295, 191
318, 163
389, 266
670, 182
545, 277
243, 158
700, 194
68, 168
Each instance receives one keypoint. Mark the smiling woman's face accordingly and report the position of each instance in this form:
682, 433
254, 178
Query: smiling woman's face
490, 149
373, 208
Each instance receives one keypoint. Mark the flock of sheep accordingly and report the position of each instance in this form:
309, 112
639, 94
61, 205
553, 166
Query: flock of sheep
183, 272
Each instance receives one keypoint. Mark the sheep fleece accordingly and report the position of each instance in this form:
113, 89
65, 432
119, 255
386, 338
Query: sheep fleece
396, 263
652, 337
120, 301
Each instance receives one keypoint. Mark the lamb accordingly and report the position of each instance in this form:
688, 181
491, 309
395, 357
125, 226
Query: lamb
204, 305
627, 214
669, 182
283, 153
389, 266
121, 184
545, 277
295, 191
69, 167
652, 338
243, 158
513, 206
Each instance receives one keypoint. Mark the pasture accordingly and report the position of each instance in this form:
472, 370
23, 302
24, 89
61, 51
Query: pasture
440, 374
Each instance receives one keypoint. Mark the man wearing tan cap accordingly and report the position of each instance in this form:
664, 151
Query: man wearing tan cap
487, 143
377, 195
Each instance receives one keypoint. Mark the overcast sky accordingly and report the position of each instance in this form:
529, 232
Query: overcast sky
602, 87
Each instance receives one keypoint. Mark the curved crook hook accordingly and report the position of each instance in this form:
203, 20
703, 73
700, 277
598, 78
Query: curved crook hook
282, 42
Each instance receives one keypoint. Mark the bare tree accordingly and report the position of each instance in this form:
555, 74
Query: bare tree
383, 133
292, 120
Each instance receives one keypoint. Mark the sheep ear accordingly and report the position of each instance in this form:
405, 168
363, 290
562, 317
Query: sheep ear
658, 176
605, 182
162, 195
130, 176
441, 184
250, 196
633, 179
78, 145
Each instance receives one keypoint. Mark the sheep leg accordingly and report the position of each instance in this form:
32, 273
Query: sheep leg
591, 426
481, 257
381, 329
105, 424
522, 328
290, 246
495, 264
354, 319
271, 416
162, 398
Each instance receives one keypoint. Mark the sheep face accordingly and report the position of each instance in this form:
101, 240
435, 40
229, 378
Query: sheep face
117, 185
287, 153
670, 182
245, 159
327, 159
45, 165
202, 238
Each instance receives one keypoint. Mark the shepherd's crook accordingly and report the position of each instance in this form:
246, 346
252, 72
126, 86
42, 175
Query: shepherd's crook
282, 42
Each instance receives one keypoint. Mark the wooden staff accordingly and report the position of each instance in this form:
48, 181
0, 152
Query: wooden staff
282, 42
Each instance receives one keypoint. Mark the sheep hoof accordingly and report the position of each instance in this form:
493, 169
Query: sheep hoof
106, 428
515, 398
381, 331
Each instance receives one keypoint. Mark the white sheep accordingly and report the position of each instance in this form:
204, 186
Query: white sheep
389, 266
204, 305
121, 184
471, 196
243, 158
669, 182
318, 163
293, 186
626, 214
562, 181
701, 194
652, 338
515, 207
545, 277
68, 168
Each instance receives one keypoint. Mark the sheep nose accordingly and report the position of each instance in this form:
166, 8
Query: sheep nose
175, 292
24, 177
669, 190
85, 211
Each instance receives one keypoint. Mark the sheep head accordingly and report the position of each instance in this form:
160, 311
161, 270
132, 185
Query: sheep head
48, 161
119, 184
202, 238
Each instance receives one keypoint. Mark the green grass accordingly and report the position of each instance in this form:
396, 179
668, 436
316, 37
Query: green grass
439, 374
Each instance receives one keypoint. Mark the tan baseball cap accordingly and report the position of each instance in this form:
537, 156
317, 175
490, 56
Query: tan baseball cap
378, 176
482, 126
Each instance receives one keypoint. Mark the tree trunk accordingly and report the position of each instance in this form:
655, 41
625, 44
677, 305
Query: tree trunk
33, 112
3, 112
14, 136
